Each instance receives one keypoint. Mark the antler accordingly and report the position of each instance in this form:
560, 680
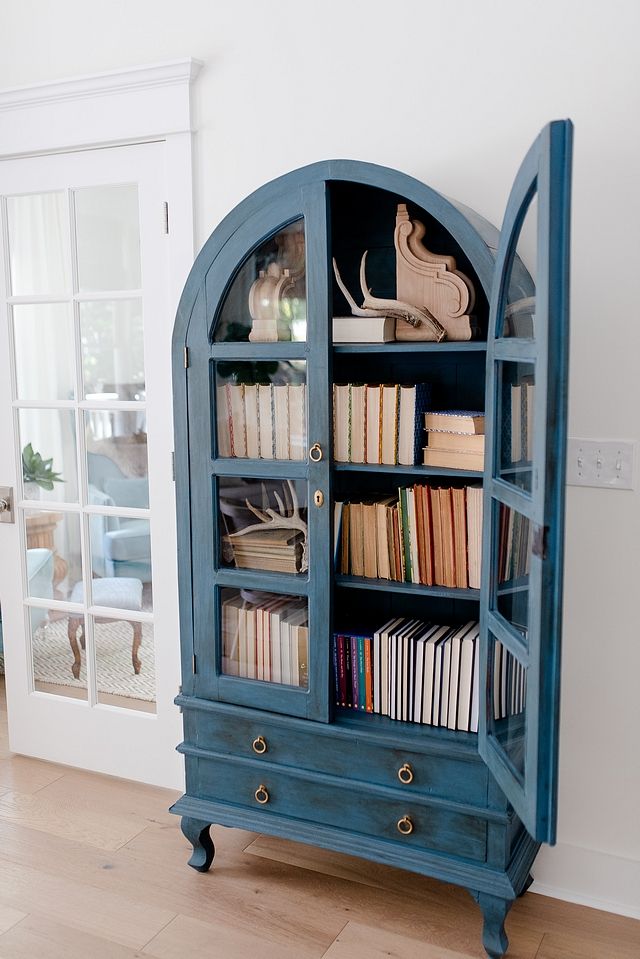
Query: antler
283, 519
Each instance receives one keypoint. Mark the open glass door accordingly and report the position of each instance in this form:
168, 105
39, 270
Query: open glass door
526, 405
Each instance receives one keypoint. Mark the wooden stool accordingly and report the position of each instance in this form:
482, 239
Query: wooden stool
119, 592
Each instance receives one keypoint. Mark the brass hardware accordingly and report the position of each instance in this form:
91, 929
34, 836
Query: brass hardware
315, 453
259, 745
405, 826
318, 497
405, 774
262, 796
6, 509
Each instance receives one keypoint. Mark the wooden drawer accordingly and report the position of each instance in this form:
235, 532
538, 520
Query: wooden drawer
354, 756
337, 803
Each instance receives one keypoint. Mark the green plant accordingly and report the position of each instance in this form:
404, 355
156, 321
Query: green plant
37, 470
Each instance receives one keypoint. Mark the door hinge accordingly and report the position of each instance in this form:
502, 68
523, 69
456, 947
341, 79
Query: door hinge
173, 465
186, 357
194, 664
165, 218
540, 541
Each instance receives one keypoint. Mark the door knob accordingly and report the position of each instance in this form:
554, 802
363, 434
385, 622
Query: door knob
6, 509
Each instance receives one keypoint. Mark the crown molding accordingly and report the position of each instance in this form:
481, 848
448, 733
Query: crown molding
102, 84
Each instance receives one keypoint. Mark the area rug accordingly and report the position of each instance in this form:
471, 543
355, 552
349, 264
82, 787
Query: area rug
52, 659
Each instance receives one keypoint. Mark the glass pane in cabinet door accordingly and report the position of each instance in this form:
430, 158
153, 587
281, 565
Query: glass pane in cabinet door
513, 567
117, 471
508, 700
515, 424
112, 349
54, 555
265, 636
263, 524
108, 232
49, 464
39, 247
261, 410
520, 309
43, 336
266, 301
58, 650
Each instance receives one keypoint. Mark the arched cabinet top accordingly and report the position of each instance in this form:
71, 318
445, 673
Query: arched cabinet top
474, 237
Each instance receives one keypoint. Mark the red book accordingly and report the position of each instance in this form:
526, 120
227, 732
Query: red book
368, 674
342, 670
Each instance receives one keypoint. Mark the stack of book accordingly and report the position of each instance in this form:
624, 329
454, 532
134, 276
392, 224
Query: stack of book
514, 545
423, 673
379, 423
455, 439
278, 550
423, 534
261, 421
267, 639
412, 671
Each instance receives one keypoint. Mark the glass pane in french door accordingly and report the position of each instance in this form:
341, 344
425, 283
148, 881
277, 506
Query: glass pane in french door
44, 346
263, 524
55, 637
261, 409
266, 301
519, 318
513, 567
265, 636
507, 703
39, 244
515, 423
125, 666
48, 446
108, 237
111, 336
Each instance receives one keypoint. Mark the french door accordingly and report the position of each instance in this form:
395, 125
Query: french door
88, 568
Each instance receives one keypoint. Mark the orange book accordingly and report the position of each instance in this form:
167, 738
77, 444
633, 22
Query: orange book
428, 535
446, 531
459, 502
438, 559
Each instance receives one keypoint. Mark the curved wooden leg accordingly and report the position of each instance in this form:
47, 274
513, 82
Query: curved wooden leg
527, 883
137, 640
72, 632
197, 832
494, 911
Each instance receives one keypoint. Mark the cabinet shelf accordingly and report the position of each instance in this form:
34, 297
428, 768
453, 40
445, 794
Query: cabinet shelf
400, 470
465, 346
412, 733
295, 584
411, 589
240, 350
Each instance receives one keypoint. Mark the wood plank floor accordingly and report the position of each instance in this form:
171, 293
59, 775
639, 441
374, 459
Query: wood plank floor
92, 866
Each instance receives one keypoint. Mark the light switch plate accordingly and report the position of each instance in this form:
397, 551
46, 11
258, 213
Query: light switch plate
605, 463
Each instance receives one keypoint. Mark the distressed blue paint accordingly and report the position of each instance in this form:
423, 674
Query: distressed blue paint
332, 773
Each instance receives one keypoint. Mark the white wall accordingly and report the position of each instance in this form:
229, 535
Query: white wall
452, 94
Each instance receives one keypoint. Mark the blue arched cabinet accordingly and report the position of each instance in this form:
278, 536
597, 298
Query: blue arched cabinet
267, 749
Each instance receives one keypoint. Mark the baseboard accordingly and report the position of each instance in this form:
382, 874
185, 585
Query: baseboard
588, 877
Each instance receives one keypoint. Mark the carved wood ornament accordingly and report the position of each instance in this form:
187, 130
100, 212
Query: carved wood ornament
431, 282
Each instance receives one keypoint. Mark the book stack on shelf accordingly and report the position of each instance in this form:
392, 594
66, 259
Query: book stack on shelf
423, 534
379, 423
412, 671
261, 421
455, 439
514, 545
277, 550
266, 639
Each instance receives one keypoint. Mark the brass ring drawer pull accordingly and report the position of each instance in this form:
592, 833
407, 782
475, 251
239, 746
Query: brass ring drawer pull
315, 453
405, 826
405, 774
262, 796
259, 745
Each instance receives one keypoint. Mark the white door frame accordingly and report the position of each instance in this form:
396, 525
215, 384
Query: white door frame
112, 109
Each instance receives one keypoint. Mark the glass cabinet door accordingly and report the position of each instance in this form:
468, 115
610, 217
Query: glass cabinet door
261, 486
526, 408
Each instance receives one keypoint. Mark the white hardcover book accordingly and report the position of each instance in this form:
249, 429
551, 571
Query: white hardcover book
281, 421
223, 420
341, 416
446, 674
373, 452
252, 657
251, 420
475, 687
285, 651
265, 415
406, 425
243, 648
439, 688
454, 673
466, 679
363, 329
429, 673
238, 424
385, 668
390, 394
297, 430
516, 423
357, 440
377, 664
531, 399
230, 634
260, 643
